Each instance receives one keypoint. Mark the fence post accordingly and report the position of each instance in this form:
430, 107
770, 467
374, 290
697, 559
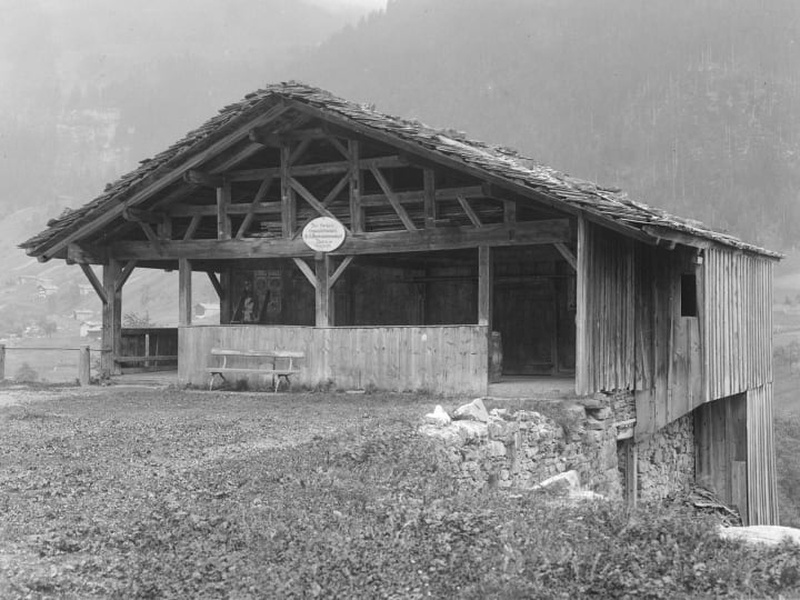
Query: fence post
84, 366
2, 362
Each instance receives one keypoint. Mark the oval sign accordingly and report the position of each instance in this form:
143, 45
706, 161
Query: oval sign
324, 234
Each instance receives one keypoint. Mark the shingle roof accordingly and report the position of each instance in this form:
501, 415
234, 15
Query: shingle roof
606, 204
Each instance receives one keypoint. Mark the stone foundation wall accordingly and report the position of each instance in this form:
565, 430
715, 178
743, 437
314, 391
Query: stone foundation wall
522, 448
666, 460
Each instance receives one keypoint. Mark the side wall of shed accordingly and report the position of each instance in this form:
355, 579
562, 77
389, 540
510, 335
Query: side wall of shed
605, 354
738, 323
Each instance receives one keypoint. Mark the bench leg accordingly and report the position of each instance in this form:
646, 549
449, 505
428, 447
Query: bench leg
211, 383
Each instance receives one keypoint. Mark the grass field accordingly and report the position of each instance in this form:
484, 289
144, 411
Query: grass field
183, 494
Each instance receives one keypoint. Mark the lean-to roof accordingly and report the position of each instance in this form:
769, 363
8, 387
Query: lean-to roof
501, 165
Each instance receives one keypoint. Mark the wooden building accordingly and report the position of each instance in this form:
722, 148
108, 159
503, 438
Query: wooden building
446, 241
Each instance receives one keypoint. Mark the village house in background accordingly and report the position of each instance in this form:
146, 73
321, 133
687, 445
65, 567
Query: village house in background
463, 268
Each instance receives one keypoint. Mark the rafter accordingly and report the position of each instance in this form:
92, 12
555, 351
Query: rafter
153, 185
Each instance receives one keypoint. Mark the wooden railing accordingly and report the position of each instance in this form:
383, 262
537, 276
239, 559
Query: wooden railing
148, 349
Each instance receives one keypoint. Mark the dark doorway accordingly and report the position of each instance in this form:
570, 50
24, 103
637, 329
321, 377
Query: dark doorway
526, 317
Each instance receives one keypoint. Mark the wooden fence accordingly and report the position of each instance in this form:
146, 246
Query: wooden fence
440, 359
82, 374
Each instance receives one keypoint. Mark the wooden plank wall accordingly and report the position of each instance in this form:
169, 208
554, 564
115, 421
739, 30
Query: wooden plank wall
669, 369
761, 471
721, 447
606, 308
738, 322
441, 359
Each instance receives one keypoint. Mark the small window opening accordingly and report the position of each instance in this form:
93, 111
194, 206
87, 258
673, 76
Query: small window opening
688, 295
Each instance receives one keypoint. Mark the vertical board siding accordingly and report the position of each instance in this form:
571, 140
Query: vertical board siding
738, 324
606, 311
447, 360
761, 470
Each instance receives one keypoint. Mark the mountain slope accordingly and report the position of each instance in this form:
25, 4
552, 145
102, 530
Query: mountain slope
691, 108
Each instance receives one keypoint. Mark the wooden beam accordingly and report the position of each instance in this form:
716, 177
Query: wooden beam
378, 242
340, 270
567, 254
238, 208
309, 197
193, 225
124, 274
334, 141
260, 195
223, 218
356, 185
137, 215
393, 200
184, 292
429, 197
510, 212
215, 283
414, 149
418, 197
298, 152
676, 237
485, 285
197, 177
157, 181
307, 271
277, 139
337, 189
150, 234
310, 170
95, 282
76, 253
473, 217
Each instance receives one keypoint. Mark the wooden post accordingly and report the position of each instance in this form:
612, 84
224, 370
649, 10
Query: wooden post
2, 362
84, 366
184, 292
485, 286
581, 301
631, 472
288, 209
225, 307
356, 211
429, 182
112, 320
324, 295
223, 218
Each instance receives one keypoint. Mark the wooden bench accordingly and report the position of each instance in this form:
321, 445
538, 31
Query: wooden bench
275, 363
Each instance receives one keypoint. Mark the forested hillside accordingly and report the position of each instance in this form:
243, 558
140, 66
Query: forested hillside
691, 105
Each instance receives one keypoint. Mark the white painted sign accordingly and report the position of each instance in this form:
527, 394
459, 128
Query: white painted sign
324, 234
